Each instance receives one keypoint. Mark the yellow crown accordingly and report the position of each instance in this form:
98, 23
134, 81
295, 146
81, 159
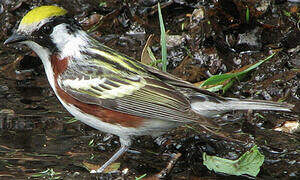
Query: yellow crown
40, 13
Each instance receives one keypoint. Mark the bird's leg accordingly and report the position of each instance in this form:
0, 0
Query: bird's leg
111, 160
124, 147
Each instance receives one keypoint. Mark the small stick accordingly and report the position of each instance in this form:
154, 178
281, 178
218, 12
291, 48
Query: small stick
169, 167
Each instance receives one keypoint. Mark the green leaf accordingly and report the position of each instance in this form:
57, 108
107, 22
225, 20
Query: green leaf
151, 54
247, 15
215, 88
102, 4
71, 120
50, 173
141, 177
286, 13
91, 143
249, 163
232, 81
218, 79
162, 40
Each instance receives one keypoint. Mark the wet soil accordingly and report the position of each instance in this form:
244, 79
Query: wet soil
205, 38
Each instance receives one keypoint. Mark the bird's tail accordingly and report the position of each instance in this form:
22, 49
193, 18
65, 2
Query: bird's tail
209, 106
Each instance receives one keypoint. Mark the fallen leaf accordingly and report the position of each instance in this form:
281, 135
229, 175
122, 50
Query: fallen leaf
145, 57
249, 163
110, 168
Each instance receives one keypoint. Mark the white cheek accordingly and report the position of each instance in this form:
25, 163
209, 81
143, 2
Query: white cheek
69, 45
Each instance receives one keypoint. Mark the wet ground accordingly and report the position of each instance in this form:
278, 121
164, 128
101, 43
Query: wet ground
39, 139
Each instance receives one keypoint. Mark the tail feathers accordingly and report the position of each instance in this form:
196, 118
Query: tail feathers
213, 106
238, 104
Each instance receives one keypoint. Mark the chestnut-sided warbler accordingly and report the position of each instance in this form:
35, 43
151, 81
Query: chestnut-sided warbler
112, 92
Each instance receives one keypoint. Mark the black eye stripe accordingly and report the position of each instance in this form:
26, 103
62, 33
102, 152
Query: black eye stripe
42, 34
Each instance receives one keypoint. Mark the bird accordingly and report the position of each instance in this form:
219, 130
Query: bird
112, 92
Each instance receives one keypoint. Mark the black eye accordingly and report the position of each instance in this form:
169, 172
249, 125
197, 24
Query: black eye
47, 29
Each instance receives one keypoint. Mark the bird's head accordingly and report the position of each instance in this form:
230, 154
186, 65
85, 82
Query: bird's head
48, 29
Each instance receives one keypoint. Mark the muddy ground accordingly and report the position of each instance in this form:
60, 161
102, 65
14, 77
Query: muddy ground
39, 139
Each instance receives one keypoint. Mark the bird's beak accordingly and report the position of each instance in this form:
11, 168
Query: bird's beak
15, 38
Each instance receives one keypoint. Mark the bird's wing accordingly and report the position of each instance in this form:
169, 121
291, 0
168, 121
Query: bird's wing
177, 82
126, 91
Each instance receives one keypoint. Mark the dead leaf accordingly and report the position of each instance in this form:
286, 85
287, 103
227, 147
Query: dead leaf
145, 57
189, 72
91, 166
289, 127
110, 168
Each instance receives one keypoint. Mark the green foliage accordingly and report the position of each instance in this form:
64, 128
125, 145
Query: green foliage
217, 80
70, 120
91, 143
141, 177
47, 174
102, 4
249, 163
162, 40
247, 15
